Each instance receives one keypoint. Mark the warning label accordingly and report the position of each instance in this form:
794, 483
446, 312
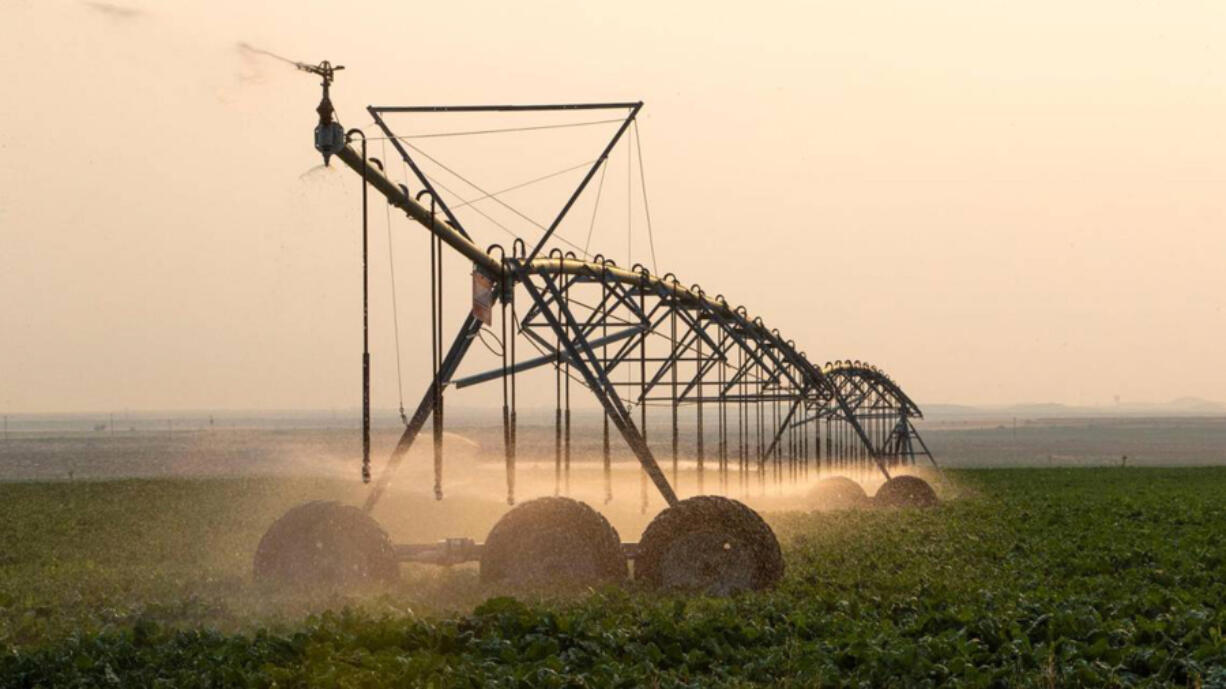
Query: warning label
483, 297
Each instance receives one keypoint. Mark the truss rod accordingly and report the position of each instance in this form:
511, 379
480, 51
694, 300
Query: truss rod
530, 364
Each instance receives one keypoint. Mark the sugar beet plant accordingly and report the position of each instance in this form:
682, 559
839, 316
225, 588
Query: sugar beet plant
1031, 578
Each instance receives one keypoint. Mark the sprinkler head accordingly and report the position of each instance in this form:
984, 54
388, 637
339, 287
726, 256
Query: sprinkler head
329, 135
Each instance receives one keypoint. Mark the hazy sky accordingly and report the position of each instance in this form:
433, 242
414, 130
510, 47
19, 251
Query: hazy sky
993, 201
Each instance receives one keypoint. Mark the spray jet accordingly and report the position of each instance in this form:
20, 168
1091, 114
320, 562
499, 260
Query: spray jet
329, 136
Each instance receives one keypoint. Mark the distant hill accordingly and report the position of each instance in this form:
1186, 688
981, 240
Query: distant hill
1183, 406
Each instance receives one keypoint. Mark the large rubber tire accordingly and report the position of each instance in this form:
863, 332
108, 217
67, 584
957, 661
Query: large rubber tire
552, 542
709, 544
323, 544
838, 493
906, 491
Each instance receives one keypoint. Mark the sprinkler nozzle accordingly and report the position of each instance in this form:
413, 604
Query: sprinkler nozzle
329, 135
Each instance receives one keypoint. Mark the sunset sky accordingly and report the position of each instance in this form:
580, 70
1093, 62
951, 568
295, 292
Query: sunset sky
995, 202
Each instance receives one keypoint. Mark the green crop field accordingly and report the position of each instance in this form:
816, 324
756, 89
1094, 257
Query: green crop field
1028, 577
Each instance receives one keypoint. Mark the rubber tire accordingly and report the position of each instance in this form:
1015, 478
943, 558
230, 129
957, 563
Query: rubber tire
552, 542
709, 544
906, 491
322, 544
838, 493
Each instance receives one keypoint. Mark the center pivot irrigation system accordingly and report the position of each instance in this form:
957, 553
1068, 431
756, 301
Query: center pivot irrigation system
758, 410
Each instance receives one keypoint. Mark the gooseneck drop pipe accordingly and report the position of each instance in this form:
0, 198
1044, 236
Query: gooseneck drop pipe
365, 308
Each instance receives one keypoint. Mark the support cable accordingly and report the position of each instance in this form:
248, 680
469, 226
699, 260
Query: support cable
487, 216
651, 241
521, 185
547, 353
474, 185
474, 132
630, 209
391, 266
754, 375
595, 207
481, 338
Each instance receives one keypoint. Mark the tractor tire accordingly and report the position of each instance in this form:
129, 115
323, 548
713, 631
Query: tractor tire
709, 544
838, 493
324, 544
906, 491
553, 543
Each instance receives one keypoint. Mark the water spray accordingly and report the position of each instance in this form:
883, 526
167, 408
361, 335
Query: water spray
329, 135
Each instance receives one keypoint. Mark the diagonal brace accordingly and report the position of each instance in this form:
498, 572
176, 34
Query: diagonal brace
448, 368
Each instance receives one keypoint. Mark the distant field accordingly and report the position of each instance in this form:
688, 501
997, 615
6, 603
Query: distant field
1192, 441
1027, 577
58, 452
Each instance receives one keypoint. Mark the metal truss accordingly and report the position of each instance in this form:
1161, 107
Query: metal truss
754, 405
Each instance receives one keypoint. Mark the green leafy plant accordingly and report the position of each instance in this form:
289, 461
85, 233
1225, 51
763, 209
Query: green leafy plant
1038, 577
